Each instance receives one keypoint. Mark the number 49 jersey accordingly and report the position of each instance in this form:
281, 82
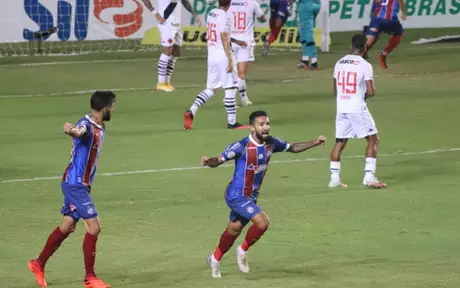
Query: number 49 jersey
351, 73
242, 18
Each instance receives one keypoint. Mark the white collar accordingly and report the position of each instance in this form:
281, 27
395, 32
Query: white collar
254, 141
92, 121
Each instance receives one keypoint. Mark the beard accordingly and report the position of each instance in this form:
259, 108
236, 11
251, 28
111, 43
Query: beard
262, 137
106, 116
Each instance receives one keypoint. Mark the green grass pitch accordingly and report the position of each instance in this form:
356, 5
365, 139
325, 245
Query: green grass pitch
160, 223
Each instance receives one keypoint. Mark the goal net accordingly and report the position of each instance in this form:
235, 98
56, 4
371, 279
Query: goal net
73, 27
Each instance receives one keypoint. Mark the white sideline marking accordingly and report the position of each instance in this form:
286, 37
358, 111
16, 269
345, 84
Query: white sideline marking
152, 59
434, 151
83, 92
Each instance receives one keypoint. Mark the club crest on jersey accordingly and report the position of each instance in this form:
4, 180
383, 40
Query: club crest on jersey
250, 210
90, 210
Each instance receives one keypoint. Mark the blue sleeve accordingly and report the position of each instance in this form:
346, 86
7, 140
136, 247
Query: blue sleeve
279, 145
87, 126
233, 151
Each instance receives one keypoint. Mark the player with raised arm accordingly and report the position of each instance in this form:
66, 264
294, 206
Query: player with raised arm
88, 139
242, 14
251, 156
385, 19
169, 25
221, 66
280, 11
353, 84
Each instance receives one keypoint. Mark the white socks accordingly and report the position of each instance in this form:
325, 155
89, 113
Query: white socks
230, 105
201, 98
162, 68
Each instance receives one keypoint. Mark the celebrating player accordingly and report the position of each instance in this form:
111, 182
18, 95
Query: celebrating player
385, 19
221, 66
169, 25
279, 13
252, 155
88, 138
308, 10
353, 84
242, 28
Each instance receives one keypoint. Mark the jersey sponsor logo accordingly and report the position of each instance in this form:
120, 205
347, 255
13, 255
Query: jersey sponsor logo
349, 61
241, 4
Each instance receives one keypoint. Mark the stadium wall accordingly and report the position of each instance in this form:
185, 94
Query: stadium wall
80, 20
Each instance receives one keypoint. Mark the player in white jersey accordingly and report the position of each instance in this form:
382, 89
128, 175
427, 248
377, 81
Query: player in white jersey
242, 15
353, 84
221, 66
168, 17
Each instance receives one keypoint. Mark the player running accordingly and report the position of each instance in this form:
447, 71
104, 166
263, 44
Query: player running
169, 25
385, 19
221, 66
353, 84
242, 14
308, 11
251, 155
88, 139
279, 13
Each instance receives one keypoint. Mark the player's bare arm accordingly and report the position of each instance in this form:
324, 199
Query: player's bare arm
334, 87
211, 162
74, 131
370, 90
303, 146
149, 6
190, 9
239, 42
226, 43
402, 4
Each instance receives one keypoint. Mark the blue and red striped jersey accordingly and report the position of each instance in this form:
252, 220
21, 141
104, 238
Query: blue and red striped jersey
85, 154
386, 9
251, 163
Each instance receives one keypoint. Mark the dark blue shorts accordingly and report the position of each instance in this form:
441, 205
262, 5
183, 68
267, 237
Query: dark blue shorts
279, 9
243, 209
77, 202
392, 27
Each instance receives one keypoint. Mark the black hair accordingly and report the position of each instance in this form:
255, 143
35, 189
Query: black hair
256, 114
224, 3
358, 42
102, 99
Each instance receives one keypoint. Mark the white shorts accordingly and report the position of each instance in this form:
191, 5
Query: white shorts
170, 35
354, 125
218, 76
251, 54
242, 54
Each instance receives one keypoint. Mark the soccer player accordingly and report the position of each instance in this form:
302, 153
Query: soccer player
308, 10
221, 66
353, 84
242, 14
251, 155
279, 13
169, 25
385, 19
88, 138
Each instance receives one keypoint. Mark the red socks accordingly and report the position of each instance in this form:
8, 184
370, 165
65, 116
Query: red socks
274, 31
226, 242
392, 44
52, 244
254, 234
89, 253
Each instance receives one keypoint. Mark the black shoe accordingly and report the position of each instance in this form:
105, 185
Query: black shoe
236, 126
314, 66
